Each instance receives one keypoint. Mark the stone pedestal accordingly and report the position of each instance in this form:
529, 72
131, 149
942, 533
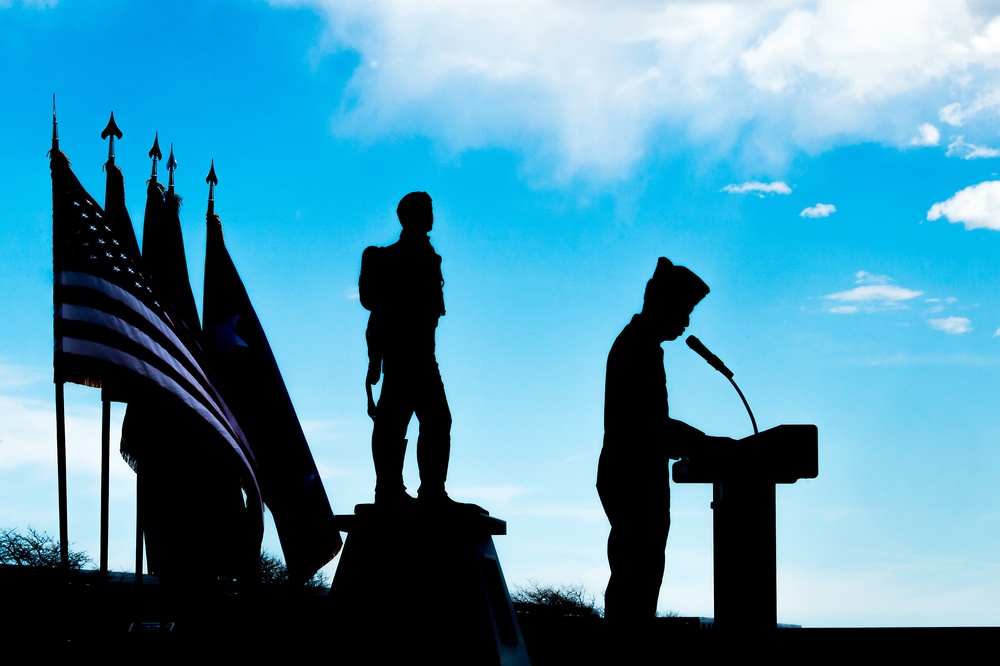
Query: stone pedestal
419, 584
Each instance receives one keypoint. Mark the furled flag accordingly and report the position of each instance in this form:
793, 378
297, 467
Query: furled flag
242, 356
181, 503
113, 330
163, 245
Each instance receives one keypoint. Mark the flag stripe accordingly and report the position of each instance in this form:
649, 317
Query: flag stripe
90, 349
95, 333
126, 334
112, 309
133, 337
103, 287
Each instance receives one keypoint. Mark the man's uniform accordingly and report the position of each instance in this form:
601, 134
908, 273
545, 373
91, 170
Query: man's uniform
633, 474
640, 438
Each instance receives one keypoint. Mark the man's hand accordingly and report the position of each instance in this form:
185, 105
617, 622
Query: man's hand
372, 410
709, 446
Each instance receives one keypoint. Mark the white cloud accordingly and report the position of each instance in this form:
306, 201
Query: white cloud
970, 151
819, 210
997, 333
952, 325
927, 135
864, 277
873, 295
596, 86
776, 187
876, 292
977, 207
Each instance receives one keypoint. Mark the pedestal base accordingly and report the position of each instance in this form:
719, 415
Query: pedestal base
420, 584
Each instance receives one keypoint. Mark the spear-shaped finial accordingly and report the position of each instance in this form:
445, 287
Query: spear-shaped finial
55, 126
171, 165
112, 131
212, 181
155, 154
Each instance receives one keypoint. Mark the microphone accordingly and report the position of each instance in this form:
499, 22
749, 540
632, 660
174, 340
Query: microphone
713, 360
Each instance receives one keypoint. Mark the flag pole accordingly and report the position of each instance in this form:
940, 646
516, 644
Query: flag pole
212, 181
105, 477
171, 166
154, 154
112, 131
61, 420
61, 458
138, 531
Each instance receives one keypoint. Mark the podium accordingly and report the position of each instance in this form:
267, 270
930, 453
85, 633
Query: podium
418, 585
743, 478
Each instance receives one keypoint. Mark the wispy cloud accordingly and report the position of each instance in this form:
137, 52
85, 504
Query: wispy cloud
38, 4
970, 151
977, 207
758, 188
593, 85
499, 496
15, 376
28, 435
927, 135
878, 292
952, 325
930, 359
957, 114
819, 210
588, 513
864, 277
873, 294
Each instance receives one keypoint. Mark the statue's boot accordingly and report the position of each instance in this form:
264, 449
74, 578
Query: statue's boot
388, 455
433, 463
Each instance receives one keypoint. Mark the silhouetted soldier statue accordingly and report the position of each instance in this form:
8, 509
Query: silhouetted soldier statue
402, 287
640, 438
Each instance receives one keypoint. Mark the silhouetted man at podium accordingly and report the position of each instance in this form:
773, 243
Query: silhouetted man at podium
640, 438
402, 287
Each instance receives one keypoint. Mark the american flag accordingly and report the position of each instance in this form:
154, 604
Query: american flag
111, 329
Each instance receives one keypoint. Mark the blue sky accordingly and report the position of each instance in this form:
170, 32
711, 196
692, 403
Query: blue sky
828, 168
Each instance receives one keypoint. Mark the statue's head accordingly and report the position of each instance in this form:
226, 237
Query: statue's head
415, 212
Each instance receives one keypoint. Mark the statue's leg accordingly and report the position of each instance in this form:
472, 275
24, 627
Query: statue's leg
434, 442
389, 440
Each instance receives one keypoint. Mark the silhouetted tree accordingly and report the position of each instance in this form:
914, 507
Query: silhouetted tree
274, 572
35, 549
562, 601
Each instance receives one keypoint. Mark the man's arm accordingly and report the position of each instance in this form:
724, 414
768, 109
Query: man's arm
374, 363
686, 441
